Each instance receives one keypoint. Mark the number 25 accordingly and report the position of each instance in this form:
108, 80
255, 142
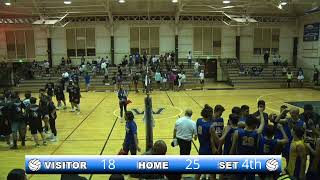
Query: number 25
193, 164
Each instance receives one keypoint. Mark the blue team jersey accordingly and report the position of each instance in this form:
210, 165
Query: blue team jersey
247, 142
267, 146
287, 129
203, 131
228, 141
218, 125
243, 119
131, 130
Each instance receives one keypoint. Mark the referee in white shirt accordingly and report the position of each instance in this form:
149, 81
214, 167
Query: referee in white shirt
184, 131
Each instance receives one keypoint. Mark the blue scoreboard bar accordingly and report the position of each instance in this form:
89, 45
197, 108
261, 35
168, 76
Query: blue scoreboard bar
65, 164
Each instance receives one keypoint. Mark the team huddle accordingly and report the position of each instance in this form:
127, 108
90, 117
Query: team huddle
295, 137
17, 114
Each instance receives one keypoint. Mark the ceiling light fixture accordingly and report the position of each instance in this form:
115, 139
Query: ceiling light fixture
121, 1
226, 2
7, 3
174, 1
67, 2
228, 7
283, 3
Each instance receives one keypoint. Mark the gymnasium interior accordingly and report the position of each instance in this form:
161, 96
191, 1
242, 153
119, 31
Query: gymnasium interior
245, 48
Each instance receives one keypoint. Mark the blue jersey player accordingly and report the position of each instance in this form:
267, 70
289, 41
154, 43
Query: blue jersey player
245, 141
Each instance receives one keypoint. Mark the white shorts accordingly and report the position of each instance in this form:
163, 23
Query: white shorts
300, 78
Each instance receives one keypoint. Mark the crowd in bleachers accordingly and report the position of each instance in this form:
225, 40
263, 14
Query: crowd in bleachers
133, 69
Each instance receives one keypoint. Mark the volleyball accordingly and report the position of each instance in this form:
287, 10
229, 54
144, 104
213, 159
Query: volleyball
34, 164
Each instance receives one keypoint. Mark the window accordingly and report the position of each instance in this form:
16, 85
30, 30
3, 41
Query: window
266, 39
144, 40
81, 42
206, 41
20, 44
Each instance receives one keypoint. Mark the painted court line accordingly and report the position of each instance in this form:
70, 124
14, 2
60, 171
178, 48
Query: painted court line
106, 141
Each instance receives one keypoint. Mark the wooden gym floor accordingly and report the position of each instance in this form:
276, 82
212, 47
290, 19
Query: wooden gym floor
98, 130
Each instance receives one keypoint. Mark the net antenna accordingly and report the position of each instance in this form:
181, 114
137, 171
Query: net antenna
148, 115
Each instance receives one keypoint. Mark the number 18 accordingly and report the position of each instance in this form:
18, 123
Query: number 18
111, 164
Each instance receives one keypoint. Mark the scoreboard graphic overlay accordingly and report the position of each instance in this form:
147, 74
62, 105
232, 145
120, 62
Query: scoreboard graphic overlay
91, 164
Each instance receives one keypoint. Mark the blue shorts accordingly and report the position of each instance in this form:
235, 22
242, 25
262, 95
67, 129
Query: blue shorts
17, 125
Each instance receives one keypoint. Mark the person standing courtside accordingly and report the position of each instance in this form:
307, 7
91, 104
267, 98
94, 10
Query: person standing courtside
123, 96
185, 129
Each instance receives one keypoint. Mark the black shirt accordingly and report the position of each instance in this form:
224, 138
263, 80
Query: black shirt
3, 111
52, 112
76, 92
33, 113
43, 104
58, 91
50, 88
15, 110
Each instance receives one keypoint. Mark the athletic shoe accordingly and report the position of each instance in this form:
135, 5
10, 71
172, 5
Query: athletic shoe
37, 145
54, 139
44, 143
50, 136
14, 147
72, 110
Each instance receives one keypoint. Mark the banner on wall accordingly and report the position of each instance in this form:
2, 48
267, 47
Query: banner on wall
311, 32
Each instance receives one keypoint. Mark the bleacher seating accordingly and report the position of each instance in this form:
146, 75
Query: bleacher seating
264, 80
97, 81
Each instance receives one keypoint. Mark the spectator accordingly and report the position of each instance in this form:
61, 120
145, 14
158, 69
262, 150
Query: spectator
266, 58
72, 177
104, 67
158, 148
189, 59
63, 61
201, 78
289, 78
131, 61
17, 174
242, 70
196, 68
184, 131
46, 66
83, 60
116, 177
135, 79
87, 79
157, 78
315, 76
274, 72
69, 62
181, 66
172, 78
300, 71
300, 78
284, 70
182, 79
275, 60
107, 61
164, 81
